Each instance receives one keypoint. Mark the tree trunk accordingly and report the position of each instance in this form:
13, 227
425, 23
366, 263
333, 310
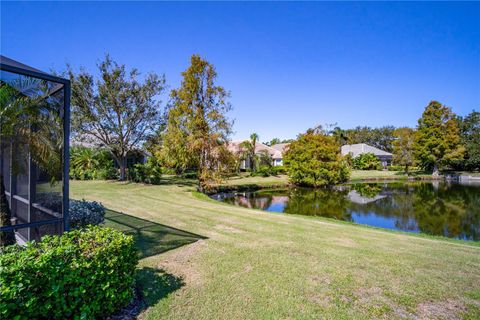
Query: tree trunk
436, 172
6, 237
123, 168
406, 169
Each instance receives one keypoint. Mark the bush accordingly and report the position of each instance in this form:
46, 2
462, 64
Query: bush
91, 164
279, 170
396, 168
190, 175
263, 171
84, 213
108, 173
82, 274
314, 160
145, 173
366, 161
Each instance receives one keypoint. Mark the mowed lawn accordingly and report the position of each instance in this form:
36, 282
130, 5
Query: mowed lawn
248, 264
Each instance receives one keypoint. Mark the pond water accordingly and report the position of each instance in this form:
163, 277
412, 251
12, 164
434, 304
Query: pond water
435, 208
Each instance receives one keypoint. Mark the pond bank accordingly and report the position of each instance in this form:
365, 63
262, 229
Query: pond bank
250, 183
438, 208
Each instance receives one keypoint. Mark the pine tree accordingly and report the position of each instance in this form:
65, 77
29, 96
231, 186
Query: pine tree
403, 147
197, 127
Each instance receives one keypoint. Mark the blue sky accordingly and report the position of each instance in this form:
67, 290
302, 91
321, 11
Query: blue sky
288, 66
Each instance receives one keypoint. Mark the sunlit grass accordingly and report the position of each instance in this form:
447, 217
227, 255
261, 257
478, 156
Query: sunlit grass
257, 265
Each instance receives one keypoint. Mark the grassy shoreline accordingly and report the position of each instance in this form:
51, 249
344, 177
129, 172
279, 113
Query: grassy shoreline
244, 182
252, 264
205, 197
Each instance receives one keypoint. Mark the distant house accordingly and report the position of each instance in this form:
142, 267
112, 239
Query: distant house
361, 148
275, 152
282, 148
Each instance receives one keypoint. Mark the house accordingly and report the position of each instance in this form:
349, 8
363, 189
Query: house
275, 152
361, 148
282, 148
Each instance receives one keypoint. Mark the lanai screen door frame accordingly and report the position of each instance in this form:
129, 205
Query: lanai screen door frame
14, 67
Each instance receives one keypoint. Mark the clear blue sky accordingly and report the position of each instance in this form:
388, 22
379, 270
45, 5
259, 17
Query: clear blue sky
289, 66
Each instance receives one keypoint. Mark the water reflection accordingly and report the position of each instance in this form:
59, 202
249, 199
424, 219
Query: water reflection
448, 209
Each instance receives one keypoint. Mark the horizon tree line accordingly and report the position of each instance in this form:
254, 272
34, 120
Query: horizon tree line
120, 112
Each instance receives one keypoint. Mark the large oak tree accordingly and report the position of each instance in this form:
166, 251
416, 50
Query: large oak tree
116, 111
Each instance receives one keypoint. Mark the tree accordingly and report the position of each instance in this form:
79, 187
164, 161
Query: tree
470, 136
250, 150
117, 111
403, 147
340, 135
381, 138
437, 138
197, 127
274, 141
314, 159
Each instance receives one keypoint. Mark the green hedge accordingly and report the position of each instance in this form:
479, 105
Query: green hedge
84, 274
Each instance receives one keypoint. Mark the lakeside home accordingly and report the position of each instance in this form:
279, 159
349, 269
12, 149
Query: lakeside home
358, 149
275, 152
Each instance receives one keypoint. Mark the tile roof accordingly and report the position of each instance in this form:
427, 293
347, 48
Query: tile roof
235, 147
361, 148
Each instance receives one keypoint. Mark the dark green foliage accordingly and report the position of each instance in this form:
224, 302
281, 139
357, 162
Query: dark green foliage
396, 168
470, 136
91, 164
381, 138
368, 190
275, 141
149, 172
437, 138
314, 159
263, 171
268, 170
118, 110
85, 274
279, 170
366, 161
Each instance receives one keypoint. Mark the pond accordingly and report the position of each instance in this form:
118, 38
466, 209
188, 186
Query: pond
435, 208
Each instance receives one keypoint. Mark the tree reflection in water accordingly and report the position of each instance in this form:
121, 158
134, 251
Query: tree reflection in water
438, 208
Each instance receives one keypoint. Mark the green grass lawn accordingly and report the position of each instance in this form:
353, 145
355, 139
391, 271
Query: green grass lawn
216, 261
244, 180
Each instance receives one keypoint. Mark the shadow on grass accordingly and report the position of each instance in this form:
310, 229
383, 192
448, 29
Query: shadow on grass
157, 284
153, 285
151, 238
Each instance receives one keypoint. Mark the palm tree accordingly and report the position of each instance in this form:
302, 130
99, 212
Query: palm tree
83, 161
250, 150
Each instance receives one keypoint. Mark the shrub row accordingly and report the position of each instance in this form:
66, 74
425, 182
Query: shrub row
266, 171
83, 274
